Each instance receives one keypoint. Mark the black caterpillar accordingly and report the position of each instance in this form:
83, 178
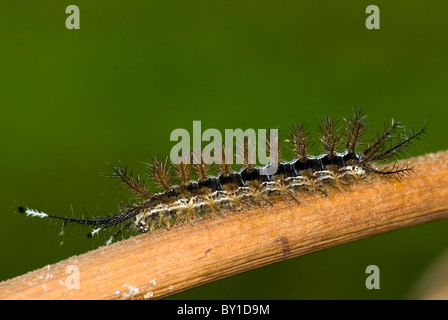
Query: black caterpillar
246, 188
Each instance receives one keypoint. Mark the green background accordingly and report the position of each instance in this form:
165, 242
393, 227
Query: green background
72, 100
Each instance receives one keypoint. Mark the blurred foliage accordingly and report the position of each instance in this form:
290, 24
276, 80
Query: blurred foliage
114, 90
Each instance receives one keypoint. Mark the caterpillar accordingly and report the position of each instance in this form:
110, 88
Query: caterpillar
339, 165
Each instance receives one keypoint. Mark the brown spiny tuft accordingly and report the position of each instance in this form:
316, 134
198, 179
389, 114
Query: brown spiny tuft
183, 169
199, 165
389, 147
300, 141
280, 146
134, 183
329, 136
160, 173
223, 167
381, 142
356, 127
249, 154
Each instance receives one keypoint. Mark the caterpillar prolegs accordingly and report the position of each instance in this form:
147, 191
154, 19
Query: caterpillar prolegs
339, 165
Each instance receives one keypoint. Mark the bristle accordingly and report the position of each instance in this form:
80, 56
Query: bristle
249, 153
356, 127
330, 137
284, 189
380, 143
393, 170
160, 173
300, 141
183, 170
199, 165
280, 145
130, 181
392, 151
223, 167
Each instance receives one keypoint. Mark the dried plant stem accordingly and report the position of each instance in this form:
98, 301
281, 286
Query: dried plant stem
164, 262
